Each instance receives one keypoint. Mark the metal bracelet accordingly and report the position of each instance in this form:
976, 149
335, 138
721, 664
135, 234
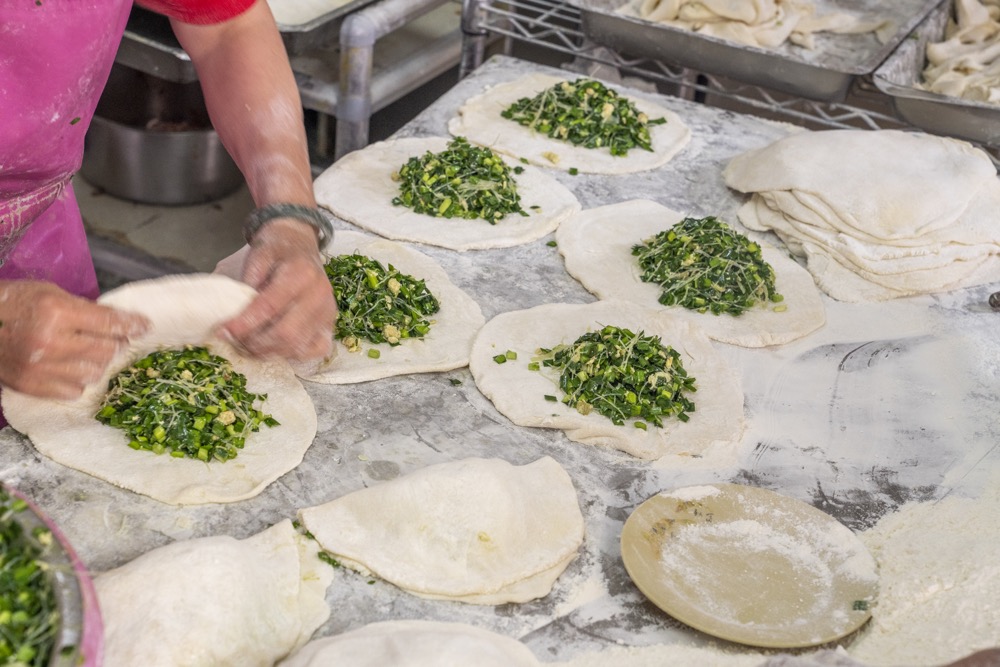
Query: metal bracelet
311, 216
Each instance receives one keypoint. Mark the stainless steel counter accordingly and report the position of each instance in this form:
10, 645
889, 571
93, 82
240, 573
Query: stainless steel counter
886, 403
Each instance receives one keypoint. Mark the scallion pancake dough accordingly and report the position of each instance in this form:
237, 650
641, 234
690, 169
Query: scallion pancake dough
183, 310
480, 121
359, 188
597, 247
453, 327
413, 643
215, 601
520, 393
878, 214
480, 531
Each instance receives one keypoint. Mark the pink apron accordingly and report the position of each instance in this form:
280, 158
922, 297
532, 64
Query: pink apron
55, 57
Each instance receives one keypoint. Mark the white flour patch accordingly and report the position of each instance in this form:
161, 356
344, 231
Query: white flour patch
939, 596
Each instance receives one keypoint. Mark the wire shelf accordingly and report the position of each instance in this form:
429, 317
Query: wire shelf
557, 26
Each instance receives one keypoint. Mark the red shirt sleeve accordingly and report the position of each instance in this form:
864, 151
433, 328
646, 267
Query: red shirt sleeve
201, 12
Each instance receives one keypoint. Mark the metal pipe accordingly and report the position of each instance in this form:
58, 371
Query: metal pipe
473, 36
358, 35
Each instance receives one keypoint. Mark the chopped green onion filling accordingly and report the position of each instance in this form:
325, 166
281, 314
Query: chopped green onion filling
378, 304
185, 402
585, 113
462, 181
29, 615
705, 265
622, 375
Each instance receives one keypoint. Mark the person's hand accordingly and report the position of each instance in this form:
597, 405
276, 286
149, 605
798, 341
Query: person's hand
53, 344
294, 313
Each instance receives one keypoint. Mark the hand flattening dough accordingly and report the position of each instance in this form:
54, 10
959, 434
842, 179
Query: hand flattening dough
445, 347
480, 121
414, 644
359, 189
215, 601
183, 310
479, 531
519, 393
597, 247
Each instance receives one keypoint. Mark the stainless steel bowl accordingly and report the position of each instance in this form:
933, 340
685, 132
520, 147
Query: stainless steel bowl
151, 141
79, 636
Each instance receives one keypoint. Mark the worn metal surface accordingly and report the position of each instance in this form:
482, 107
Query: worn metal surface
824, 73
900, 74
885, 404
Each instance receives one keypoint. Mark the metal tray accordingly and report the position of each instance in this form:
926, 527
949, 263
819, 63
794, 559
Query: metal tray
824, 73
899, 75
320, 32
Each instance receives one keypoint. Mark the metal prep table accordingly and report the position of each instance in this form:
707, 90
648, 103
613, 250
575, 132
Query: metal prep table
887, 403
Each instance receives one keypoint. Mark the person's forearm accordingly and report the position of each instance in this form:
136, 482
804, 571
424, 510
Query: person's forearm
253, 102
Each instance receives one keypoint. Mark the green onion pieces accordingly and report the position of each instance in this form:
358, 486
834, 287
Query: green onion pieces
463, 181
29, 616
188, 402
378, 304
622, 375
705, 265
586, 113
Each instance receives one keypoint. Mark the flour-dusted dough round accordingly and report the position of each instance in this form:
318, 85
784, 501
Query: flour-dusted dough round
480, 531
445, 347
183, 310
413, 643
359, 188
480, 121
882, 186
878, 214
215, 601
520, 393
597, 247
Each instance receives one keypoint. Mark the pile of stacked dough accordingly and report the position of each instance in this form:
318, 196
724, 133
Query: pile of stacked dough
967, 63
877, 214
763, 23
479, 531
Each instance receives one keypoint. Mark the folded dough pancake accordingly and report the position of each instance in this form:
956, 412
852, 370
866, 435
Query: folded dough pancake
480, 531
215, 601
412, 643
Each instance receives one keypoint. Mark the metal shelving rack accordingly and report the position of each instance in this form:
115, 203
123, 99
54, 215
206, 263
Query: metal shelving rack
555, 25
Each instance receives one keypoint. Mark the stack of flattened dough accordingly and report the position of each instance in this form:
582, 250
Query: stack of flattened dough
763, 23
877, 214
480, 531
215, 601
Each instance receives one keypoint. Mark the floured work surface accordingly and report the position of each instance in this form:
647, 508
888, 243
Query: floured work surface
886, 403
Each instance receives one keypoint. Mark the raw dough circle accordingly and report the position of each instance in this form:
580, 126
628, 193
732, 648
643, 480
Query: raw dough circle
444, 348
412, 643
183, 310
597, 247
480, 121
359, 188
519, 393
